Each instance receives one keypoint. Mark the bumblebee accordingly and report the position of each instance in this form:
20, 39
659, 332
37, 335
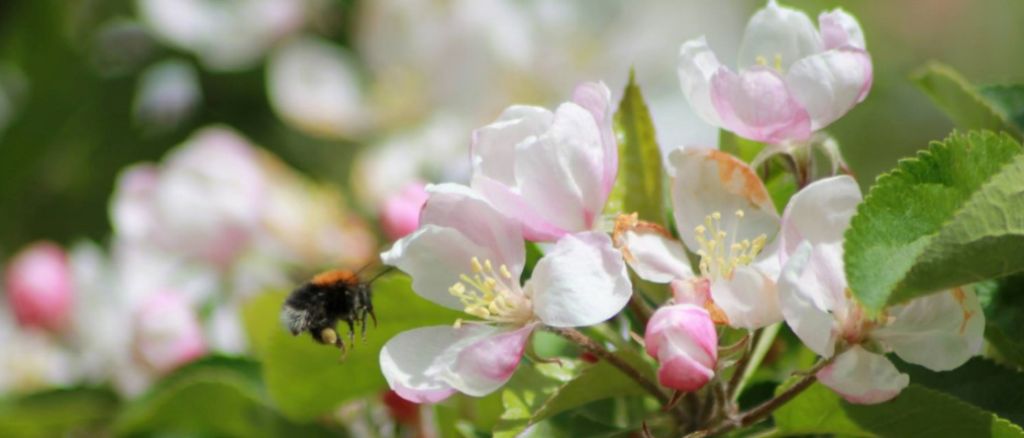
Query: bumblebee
317, 305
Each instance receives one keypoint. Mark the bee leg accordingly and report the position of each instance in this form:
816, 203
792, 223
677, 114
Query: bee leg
351, 332
362, 325
373, 316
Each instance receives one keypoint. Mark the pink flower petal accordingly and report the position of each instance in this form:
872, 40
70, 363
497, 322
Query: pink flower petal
485, 365
596, 98
830, 83
400, 214
757, 104
683, 339
39, 286
839, 29
862, 377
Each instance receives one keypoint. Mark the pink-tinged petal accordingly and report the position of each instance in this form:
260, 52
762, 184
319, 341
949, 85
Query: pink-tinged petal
778, 34
494, 146
839, 29
560, 173
820, 213
940, 331
597, 98
459, 207
581, 281
512, 204
830, 83
485, 365
650, 250
749, 299
862, 377
697, 64
804, 303
757, 104
705, 181
415, 363
167, 333
400, 214
696, 291
40, 286
683, 339
435, 257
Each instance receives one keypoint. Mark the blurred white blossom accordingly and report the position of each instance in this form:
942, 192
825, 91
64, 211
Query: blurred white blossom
167, 93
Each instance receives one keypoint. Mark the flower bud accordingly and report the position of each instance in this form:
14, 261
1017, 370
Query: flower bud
39, 286
682, 338
167, 332
400, 214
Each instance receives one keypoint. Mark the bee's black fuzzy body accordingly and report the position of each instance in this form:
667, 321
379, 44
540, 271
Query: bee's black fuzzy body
318, 305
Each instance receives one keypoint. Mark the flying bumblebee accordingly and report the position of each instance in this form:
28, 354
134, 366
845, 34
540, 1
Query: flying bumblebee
337, 295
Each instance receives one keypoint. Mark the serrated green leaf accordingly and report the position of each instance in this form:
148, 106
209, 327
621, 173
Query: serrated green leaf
638, 187
953, 215
597, 382
306, 379
1008, 100
916, 412
528, 388
63, 412
960, 100
980, 382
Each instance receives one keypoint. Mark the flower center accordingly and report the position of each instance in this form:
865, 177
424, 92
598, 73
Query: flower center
720, 254
492, 295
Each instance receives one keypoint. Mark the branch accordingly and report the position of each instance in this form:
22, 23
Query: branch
761, 411
596, 349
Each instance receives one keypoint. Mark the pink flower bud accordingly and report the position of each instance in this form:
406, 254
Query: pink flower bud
400, 214
39, 286
167, 332
683, 339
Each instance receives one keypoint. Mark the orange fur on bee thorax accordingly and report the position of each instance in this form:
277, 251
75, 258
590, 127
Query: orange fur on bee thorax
334, 276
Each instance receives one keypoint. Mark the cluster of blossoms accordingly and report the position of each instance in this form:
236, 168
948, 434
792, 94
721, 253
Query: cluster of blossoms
217, 221
545, 177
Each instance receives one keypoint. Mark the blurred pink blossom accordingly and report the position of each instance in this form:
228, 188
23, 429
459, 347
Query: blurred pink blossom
167, 333
400, 214
39, 286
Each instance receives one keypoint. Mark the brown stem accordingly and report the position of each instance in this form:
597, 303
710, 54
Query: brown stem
741, 366
596, 349
640, 309
764, 409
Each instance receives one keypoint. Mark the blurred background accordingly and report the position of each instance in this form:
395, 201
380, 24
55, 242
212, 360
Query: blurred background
164, 161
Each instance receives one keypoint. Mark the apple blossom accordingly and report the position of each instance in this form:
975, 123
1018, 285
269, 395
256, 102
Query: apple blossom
468, 256
724, 214
40, 287
400, 214
167, 93
551, 171
167, 332
793, 79
939, 331
31, 360
683, 339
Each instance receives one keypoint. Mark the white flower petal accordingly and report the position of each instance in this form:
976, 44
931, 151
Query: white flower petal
820, 213
705, 181
597, 98
459, 207
416, 361
560, 173
494, 146
862, 377
582, 281
697, 64
749, 299
776, 31
802, 306
939, 331
829, 84
435, 257
651, 251
839, 28
486, 364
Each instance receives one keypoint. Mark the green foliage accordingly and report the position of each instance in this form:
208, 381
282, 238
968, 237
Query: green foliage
62, 412
596, 382
968, 107
638, 187
306, 379
980, 382
1008, 100
916, 412
950, 216
742, 148
1003, 303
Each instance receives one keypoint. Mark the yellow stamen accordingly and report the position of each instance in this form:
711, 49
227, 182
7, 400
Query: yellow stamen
720, 257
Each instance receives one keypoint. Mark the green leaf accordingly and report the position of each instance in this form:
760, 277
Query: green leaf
1008, 100
1003, 303
306, 379
638, 187
529, 387
960, 100
953, 215
63, 412
916, 412
980, 382
742, 148
596, 382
